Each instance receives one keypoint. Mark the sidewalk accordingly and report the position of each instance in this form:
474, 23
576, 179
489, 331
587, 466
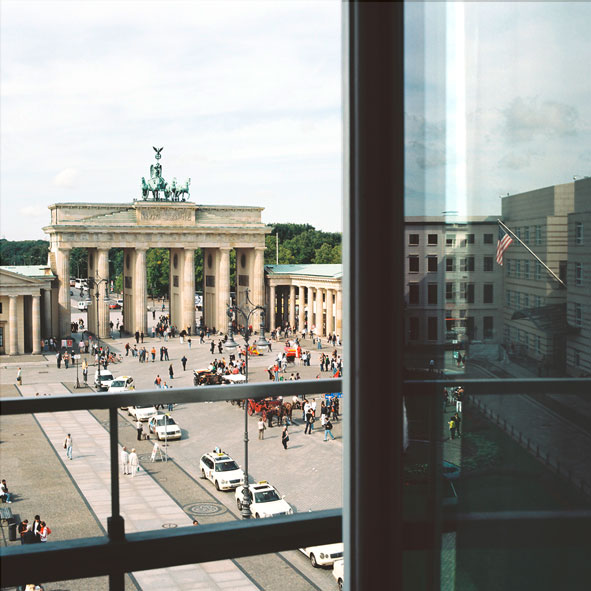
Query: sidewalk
144, 504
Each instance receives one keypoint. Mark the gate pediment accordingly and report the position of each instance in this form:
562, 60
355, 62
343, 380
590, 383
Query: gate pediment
157, 214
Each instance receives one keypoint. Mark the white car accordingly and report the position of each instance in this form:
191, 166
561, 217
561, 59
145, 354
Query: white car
142, 412
338, 572
323, 555
120, 302
266, 500
121, 384
83, 305
103, 380
221, 469
164, 427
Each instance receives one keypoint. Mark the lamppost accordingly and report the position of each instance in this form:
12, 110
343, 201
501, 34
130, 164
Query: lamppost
231, 345
96, 283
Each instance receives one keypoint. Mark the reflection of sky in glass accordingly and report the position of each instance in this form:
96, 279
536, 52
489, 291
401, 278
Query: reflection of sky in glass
496, 102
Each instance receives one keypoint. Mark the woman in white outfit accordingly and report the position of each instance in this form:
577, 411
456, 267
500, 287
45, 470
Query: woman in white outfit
134, 462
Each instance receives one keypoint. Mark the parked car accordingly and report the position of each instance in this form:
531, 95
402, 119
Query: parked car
83, 305
323, 555
142, 412
265, 502
120, 302
164, 427
103, 380
114, 305
121, 384
222, 470
338, 572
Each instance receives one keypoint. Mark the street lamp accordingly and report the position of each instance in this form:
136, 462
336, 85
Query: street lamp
96, 283
231, 345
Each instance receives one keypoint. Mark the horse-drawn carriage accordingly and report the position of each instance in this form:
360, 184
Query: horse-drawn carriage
205, 377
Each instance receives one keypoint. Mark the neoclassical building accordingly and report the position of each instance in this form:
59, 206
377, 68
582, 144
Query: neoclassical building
26, 304
135, 227
305, 296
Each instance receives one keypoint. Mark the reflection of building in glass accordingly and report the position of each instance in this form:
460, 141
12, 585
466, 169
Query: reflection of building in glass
453, 287
541, 315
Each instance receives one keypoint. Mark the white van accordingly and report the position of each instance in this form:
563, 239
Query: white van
83, 305
106, 377
338, 572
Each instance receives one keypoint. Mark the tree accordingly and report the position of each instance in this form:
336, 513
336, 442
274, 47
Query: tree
158, 271
23, 252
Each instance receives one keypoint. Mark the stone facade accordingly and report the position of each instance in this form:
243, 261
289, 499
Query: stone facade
305, 296
138, 226
27, 301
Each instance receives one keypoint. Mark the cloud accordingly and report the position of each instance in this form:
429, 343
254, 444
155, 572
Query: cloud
33, 211
528, 119
67, 178
515, 161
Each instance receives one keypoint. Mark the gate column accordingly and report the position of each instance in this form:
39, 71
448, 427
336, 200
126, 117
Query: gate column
47, 313
258, 284
139, 291
103, 304
271, 307
188, 290
223, 290
63, 275
339, 313
36, 322
329, 311
292, 307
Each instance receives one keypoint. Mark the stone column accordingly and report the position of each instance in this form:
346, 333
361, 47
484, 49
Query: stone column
271, 307
188, 290
311, 304
320, 312
223, 290
258, 282
13, 325
36, 323
63, 275
329, 312
103, 305
292, 306
140, 290
47, 313
339, 313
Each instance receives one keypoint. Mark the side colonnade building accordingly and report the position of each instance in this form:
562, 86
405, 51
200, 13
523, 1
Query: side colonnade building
181, 227
305, 297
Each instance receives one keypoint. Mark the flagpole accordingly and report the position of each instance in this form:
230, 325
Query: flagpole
532, 253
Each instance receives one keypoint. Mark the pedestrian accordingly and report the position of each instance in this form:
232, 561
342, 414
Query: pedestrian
44, 532
58, 359
261, 428
125, 461
23, 528
66, 359
189, 342
458, 421
127, 347
158, 381
309, 421
195, 522
134, 462
139, 429
154, 451
19, 377
6, 496
170, 371
153, 352
68, 446
212, 347
137, 337
452, 428
142, 337
36, 529
184, 362
284, 437
459, 399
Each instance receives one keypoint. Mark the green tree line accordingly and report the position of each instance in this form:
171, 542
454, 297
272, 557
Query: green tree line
298, 244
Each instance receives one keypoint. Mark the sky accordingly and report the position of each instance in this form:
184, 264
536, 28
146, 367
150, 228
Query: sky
246, 99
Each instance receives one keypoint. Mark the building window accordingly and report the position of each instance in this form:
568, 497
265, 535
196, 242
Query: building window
432, 328
432, 293
413, 329
432, 264
538, 235
413, 293
470, 238
470, 327
413, 264
526, 234
450, 240
450, 264
538, 271
526, 269
432, 239
413, 239
127, 282
488, 293
578, 275
467, 264
509, 265
518, 269
518, 232
488, 264
538, 302
449, 322
578, 315
525, 300
243, 280
487, 239
488, 327
1, 336
562, 271
0, 307
210, 281
467, 292
508, 298
538, 345
577, 359
449, 291
579, 237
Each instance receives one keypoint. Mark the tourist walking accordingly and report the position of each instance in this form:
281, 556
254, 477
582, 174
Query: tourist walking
184, 362
284, 437
170, 371
452, 428
68, 446
262, 428
458, 421
134, 462
6, 496
328, 429
309, 421
44, 532
125, 461
19, 377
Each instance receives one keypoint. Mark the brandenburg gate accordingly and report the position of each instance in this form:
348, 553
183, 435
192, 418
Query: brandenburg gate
164, 220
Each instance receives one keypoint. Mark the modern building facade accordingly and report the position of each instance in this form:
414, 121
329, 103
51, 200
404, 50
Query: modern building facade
28, 300
540, 317
305, 296
453, 287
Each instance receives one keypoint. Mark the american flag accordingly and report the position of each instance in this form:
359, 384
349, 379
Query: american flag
503, 244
